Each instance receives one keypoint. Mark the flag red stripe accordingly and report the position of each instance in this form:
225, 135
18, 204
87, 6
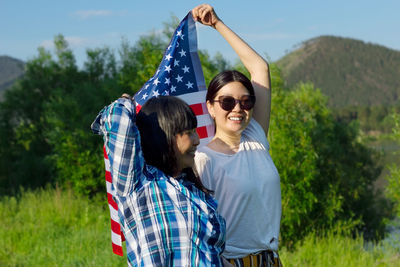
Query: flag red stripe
138, 107
117, 249
115, 227
111, 201
197, 109
108, 177
105, 152
202, 132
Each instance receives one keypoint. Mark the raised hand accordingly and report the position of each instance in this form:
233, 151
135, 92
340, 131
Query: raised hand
205, 14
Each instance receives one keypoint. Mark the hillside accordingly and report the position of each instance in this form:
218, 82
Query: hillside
10, 70
350, 72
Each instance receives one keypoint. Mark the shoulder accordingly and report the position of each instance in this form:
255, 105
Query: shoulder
121, 106
204, 166
201, 153
202, 158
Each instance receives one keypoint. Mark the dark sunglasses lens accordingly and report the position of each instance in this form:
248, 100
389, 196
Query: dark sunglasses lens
227, 103
247, 103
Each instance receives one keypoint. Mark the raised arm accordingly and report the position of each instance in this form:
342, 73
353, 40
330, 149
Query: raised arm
254, 63
116, 123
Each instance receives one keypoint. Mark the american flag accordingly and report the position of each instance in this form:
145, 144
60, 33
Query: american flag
179, 74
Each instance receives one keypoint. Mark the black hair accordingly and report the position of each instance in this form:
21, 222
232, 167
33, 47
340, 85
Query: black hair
159, 121
225, 77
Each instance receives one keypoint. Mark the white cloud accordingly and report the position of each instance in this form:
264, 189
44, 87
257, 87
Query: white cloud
87, 14
48, 44
73, 42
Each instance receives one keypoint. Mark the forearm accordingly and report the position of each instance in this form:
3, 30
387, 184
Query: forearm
253, 62
259, 71
123, 146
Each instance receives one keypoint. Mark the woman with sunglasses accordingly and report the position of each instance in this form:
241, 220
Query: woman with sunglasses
236, 164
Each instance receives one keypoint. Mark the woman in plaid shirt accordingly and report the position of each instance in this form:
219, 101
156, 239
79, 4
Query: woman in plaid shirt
167, 216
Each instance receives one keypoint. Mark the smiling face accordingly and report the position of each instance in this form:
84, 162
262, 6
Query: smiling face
231, 122
186, 144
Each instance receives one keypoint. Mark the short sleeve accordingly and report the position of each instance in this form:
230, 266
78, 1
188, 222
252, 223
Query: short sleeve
203, 167
254, 131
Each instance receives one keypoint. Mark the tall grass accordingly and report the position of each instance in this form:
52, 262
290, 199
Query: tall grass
340, 250
54, 228
57, 228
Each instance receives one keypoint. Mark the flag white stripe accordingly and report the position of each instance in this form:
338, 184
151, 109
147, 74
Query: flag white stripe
114, 214
203, 120
108, 185
107, 164
194, 98
116, 239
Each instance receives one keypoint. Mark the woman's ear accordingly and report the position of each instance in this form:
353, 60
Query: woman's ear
210, 108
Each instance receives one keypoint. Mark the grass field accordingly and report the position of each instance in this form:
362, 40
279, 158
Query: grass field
56, 228
333, 250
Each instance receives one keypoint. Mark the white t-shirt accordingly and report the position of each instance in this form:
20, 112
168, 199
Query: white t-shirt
247, 187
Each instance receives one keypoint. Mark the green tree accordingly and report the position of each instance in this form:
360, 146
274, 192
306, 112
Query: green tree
393, 187
23, 144
139, 62
45, 120
77, 154
326, 174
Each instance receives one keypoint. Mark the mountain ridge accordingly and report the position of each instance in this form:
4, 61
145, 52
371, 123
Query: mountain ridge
349, 71
10, 70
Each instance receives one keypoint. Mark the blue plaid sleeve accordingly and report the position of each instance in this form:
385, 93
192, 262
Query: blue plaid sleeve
122, 141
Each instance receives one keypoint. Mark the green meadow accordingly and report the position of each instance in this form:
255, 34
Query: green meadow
51, 227
55, 228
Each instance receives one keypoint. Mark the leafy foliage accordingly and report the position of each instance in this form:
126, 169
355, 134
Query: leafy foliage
393, 187
326, 174
46, 119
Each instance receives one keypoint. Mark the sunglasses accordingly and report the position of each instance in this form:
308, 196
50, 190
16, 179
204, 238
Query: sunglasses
228, 103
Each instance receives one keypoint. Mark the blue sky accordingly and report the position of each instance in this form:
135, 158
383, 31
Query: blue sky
270, 27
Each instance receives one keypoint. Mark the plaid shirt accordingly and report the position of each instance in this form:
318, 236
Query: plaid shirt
166, 221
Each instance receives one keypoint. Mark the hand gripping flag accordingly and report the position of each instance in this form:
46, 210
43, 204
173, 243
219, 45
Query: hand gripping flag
179, 74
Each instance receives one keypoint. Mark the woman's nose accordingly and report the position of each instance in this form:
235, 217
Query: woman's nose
237, 106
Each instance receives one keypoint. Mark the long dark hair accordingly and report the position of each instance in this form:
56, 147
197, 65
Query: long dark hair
225, 77
159, 121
